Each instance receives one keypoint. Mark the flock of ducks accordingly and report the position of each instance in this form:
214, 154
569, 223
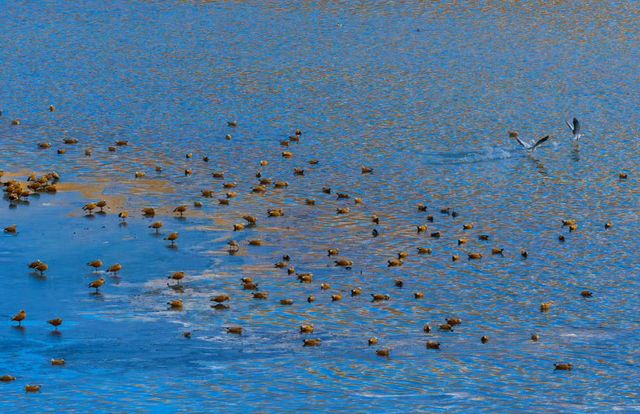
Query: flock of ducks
17, 192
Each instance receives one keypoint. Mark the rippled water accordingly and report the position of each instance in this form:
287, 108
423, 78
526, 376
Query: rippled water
423, 93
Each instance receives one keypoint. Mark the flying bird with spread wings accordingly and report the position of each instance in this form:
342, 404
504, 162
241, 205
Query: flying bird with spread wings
529, 146
575, 128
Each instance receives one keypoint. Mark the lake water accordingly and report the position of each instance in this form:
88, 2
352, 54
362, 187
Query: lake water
423, 93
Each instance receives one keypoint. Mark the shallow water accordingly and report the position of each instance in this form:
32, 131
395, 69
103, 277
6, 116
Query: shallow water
424, 94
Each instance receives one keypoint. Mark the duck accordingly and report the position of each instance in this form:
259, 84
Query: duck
19, 317
436, 234
535, 337
623, 176
123, 215
281, 184
311, 298
377, 297
375, 219
325, 286
343, 262
356, 291
101, 205
544, 307
298, 171
343, 210
403, 255
55, 323
314, 162
238, 227
175, 304
89, 207
424, 250
57, 361
180, 210
197, 204
326, 190
287, 154
286, 301
305, 277
454, 321
394, 262
462, 241
337, 297
445, 327
32, 388
563, 366
483, 237
524, 253
206, 193
366, 170
358, 200
573, 227
422, 207
475, 256
418, 295
426, 328
232, 124
467, 226
311, 342
218, 174
156, 226
177, 276
122, 143
497, 251
260, 295
61, 151
586, 294
421, 228
236, 330
433, 345
569, 222
96, 264
221, 298
310, 202
96, 284
249, 286
275, 212
306, 328
172, 238
250, 219
148, 212
384, 352
256, 242
608, 225
291, 270
7, 378
398, 283
114, 268
223, 201
139, 174
372, 341
186, 335
15, 122
342, 196
484, 339
333, 252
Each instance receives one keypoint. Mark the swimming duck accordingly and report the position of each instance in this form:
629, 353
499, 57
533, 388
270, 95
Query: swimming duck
236, 330
44, 145
139, 174
394, 262
207, 193
375, 219
275, 212
32, 388
496, 251
325, 286
343, 262
15, 122
343, 210
483, 237
311, 342
524, 253
475, 256
286, 301
544, 307
13, 229
484, 339
467, 226
305, 277
310, 202
197, 204
175, 304
313, 162
57, 361
61, 151
608, 225
535, 337
249, 286
377, 297
372, 341
311, 298
256, 242
433, 345
424, 250
569, 222
586, 294
358, 200
260, 295
19, 317
7, 378
306, 328
623, 176
250, 219
445, 327
366, 170
238, 227
287, 154
223, 201
563, 366
418, 295
336, 297
398, 283
186, 334
333, 252
281, 184
218, 174
454, 321
384, 352
426, 328
421, 228
462, 241
326, 190
436, 234
356, 291
96, 284
298, 171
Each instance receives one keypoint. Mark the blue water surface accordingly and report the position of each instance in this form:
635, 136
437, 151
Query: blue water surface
422, 92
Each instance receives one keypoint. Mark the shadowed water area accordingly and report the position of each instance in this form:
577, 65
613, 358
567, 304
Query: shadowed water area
422, 93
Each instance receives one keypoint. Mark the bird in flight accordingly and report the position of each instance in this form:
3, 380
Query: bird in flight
526, 145
575, 128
